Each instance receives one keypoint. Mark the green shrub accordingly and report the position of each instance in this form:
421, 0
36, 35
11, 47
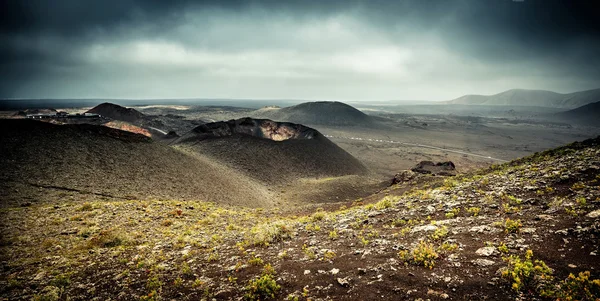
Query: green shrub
386, 202
453, 213
423, 254
526, 273
319, 215
262, 288
439, 233
264, 234
512, 226
579, 287
474, 211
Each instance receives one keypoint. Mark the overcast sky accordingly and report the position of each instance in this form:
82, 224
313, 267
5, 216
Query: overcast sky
324, 49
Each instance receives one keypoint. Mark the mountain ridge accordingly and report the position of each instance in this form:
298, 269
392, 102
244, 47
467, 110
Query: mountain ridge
524, 97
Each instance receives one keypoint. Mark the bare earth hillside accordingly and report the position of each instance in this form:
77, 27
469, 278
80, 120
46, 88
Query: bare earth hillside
270, 151
525, 230
42, 161
317, 113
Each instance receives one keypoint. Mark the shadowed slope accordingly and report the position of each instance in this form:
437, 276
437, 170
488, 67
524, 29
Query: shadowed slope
42, 161
585, 115
319, 112
270, 151
117, 112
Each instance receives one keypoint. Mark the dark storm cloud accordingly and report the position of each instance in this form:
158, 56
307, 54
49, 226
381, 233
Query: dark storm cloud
391, 49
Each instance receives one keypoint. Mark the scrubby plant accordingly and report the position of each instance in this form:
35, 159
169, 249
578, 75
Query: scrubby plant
578, 186
49, 293
448, 247
512, 226
329, 255
513, 200
255, 261
185, 269
571, 211
423, 254
309, 252
386, 202
579, 287
213, 256
312, 227
85, 207
526, 273
439, 233
581, 201
333, 235
262, 288
283, 254
474, 211
264, 234
61, 280
319, 215
107, 239
153, 283
453, 213
510, 209
178, 282
502, 247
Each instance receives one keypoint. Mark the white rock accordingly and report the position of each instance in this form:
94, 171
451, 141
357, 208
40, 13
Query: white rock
424, 228
306, 272
343, 282
594, 214
334, 271
482, 262
39, 276
486, 251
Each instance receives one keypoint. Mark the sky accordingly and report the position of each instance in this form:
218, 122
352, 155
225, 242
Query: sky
313, 50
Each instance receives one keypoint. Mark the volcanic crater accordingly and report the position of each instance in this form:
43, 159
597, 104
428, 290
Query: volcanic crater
260, 128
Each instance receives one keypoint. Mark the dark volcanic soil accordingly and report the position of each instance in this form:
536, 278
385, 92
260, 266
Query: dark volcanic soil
318, 113
471, 229
42, 161
271, 152
117, 112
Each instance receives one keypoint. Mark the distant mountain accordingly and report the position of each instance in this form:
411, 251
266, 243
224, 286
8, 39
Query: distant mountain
117, 112
586, 115
531, 98
319, 112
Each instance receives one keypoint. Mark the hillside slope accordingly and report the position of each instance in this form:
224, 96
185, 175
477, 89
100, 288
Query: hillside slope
317, 113
271, 152
524, 230
117, 112
585, 115
43, 161
531, 98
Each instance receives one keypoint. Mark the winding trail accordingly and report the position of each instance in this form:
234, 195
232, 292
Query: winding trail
419, 145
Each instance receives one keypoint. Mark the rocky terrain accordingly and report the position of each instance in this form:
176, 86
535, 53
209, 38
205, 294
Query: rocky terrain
525, 230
